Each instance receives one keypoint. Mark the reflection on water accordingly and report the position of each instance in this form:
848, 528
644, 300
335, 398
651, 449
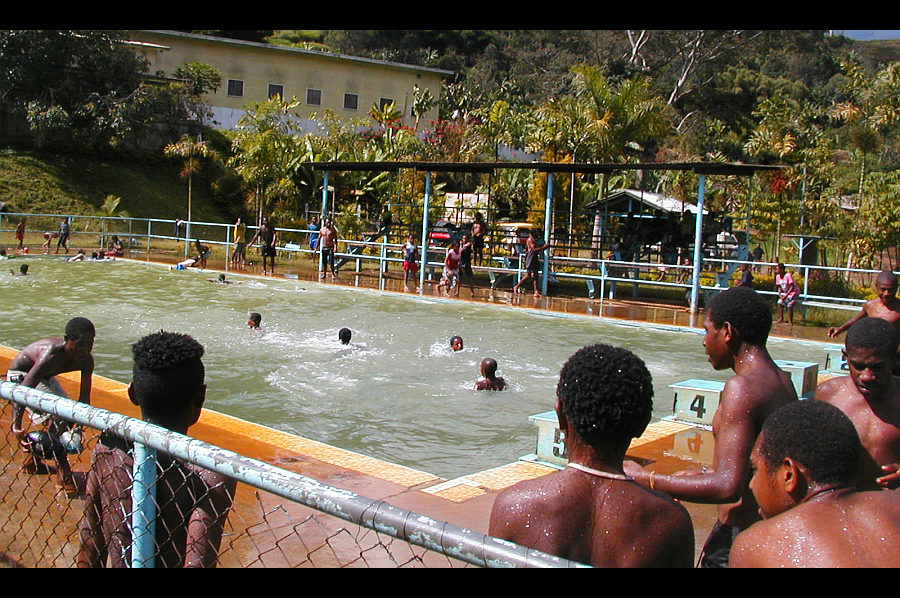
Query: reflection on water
396, 392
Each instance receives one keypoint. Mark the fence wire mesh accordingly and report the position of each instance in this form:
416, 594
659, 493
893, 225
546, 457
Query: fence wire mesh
202, 517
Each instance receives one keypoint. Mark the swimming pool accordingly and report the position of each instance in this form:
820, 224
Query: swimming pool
397, 392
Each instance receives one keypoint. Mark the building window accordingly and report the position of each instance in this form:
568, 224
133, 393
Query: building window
275, 90
351, 101
235, 88
314, 97
384, 102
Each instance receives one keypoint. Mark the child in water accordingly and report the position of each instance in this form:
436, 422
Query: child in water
491, 380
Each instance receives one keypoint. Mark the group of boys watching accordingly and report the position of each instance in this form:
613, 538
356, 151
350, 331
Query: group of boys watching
798, 483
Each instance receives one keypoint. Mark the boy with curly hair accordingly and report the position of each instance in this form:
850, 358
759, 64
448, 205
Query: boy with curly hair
193, 503
591, 512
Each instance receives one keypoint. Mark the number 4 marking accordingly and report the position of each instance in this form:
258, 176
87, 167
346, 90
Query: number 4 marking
697, 406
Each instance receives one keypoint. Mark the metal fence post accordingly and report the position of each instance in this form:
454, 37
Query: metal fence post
143, 511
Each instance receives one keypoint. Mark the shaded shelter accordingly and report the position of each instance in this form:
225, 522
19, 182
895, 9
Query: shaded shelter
702, 169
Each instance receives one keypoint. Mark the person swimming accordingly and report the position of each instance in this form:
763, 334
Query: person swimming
344, 334
456, 342
491, 380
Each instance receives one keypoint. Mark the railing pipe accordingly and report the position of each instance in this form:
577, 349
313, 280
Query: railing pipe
442, 537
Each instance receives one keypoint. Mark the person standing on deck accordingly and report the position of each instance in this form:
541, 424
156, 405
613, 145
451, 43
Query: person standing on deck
737, 325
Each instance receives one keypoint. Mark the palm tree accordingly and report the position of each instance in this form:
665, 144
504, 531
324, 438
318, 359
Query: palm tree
108, 210
193, 151
627, 116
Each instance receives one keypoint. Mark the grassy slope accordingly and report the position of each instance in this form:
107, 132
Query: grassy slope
69, 184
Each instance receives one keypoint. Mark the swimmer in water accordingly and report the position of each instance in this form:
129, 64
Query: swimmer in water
23, 270
221, 280
456, 343
344, 334
491, 380
253, 321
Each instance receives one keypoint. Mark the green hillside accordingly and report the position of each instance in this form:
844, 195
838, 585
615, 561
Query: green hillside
70, 184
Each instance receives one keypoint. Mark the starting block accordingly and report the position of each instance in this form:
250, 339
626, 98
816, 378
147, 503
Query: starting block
551, 442
804, 375
696, 401
835, 362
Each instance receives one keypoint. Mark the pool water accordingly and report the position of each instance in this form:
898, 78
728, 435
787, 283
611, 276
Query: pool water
397, 392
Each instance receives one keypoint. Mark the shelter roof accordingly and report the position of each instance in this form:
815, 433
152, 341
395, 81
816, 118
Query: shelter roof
623, 199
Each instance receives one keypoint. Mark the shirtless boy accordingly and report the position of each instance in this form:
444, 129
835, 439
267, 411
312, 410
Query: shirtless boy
36, 366
267, 236
328, 238
591, 512
203, 253
870, 397
20, 234
491, 380
813, 515
885, 306
737, 325
193, 503
479, 228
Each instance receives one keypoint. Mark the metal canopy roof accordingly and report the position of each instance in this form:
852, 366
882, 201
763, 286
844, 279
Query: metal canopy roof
710, 168
653, 201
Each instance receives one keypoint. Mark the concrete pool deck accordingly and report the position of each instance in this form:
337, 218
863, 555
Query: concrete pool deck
464, 501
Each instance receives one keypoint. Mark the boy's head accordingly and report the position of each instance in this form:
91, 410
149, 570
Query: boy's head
23, 269
168, 379
605, 394
456, 342
253, 320
344, 334
488, 367
886, 286
741, 314
871, 350
79, 336
803, 445
221, 278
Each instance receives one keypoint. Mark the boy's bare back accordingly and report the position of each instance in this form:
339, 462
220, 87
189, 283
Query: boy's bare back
858, 529
599, 521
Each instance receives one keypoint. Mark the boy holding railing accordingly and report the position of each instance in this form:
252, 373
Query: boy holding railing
193, 503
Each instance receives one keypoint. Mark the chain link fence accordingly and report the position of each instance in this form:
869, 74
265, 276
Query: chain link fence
194, 504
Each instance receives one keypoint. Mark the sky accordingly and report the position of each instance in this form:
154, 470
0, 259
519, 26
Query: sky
868, 34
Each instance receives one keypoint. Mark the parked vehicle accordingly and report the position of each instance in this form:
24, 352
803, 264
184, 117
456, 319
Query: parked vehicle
444, 232
513, 236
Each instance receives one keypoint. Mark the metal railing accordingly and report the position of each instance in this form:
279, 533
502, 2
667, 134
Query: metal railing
602, 277
40, 527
